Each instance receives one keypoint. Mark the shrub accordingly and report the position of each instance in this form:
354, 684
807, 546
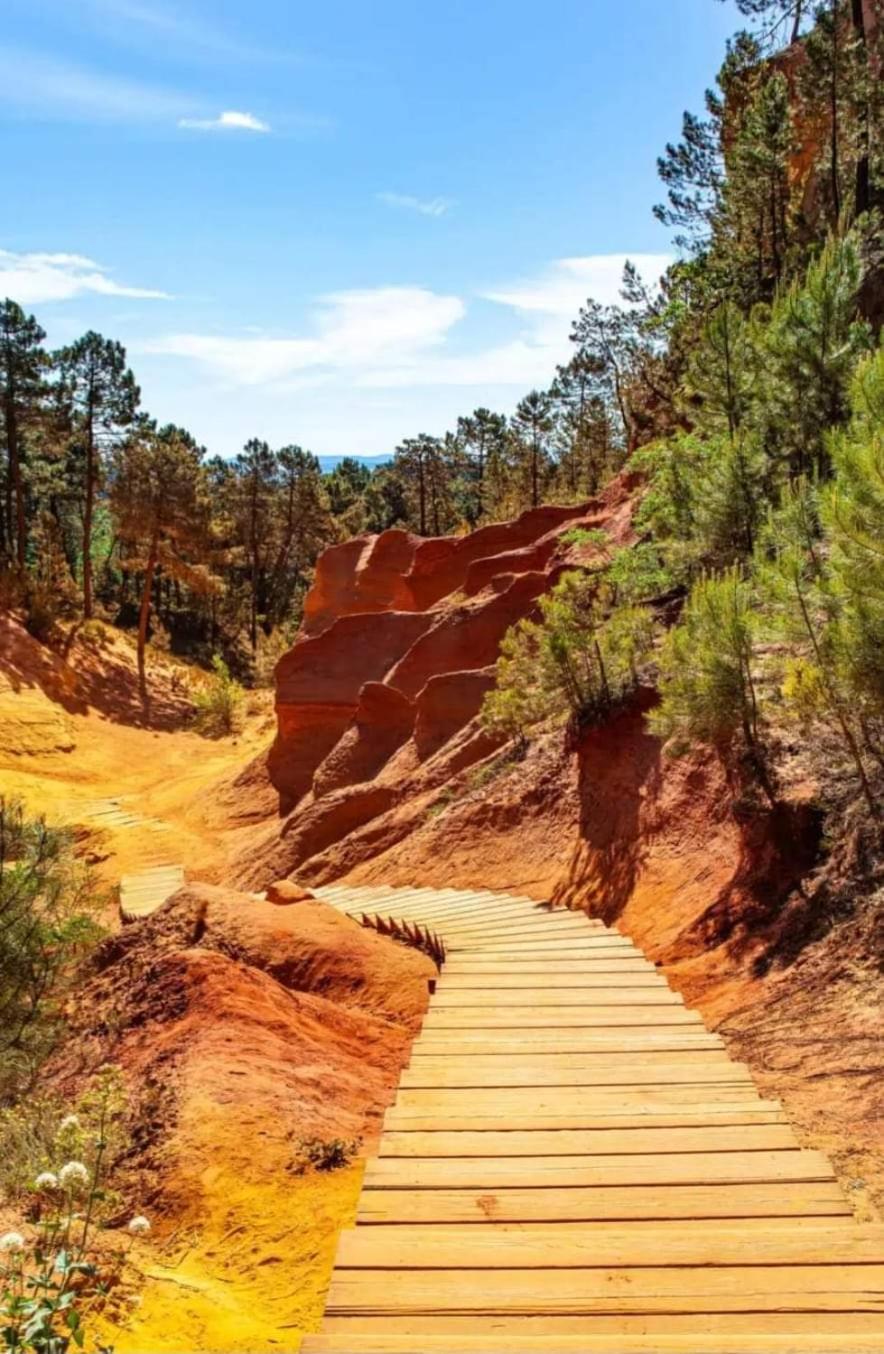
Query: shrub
707, 681
46, 927
219, 703
51, 1273
579, 661
325, 1154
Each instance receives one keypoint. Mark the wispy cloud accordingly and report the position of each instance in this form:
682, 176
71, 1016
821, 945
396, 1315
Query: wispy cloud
556, 294
433, 206
136, 19
352, 331
49, 88
34, 278
406, 337
229, 121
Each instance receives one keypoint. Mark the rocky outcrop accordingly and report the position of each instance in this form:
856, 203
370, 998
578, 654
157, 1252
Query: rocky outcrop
318, 684
383, 721
446, 704
380, 694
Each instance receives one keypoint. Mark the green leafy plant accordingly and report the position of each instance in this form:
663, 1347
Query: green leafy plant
47, 927
580, 660
219, 702
52, 1274
707, 681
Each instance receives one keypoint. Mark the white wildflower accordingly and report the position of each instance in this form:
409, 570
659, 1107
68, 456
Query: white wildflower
12, 1241
139, 1226
72, 1174
47, 1180
69, 1123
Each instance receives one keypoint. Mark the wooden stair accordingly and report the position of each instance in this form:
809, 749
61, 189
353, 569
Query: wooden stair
142, 893
573, 1162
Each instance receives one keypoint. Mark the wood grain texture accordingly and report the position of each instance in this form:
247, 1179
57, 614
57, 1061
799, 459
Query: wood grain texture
574, 1162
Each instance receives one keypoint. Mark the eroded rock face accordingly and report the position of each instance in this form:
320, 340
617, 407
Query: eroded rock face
318, 684
383, 721
397, 651
446, 704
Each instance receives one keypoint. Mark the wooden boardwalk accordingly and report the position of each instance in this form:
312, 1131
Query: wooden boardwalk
142, 893
573, 1162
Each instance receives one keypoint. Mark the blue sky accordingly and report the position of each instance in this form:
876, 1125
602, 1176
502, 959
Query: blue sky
337, 224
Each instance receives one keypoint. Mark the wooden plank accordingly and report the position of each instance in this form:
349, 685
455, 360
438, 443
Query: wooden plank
811, 1342
501, 982
590, 1292
566, 1100
411, 1119
466, 1043
511, 1073
582, 948
503, 1247
460, 967
613, 1204
565, 1172
556, 996
707, 1327
645, 1058
564, 1141
551, 1017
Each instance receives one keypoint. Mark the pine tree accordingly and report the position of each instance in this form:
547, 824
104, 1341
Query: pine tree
425, 467
584, 438
255, 487
806, 610
708, 682
302, 529
810, 348
532, 424
100, 397
22, 386
483, 438
158, 495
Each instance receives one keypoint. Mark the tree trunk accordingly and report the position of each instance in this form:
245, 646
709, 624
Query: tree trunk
863, 186
836, 189
87, 523
144, 616
17, 529
422, 497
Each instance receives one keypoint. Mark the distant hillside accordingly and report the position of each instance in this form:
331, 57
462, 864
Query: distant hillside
328, 463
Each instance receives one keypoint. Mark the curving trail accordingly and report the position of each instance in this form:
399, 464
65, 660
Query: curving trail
574, 1162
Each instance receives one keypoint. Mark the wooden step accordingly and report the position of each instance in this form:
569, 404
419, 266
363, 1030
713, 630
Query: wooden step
616, 1203
561, 1172
811, 1342
504, 1247
573, 1161
602, 1142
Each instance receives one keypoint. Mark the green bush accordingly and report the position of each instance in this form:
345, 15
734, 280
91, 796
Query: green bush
579, 661
219, 703
47, 926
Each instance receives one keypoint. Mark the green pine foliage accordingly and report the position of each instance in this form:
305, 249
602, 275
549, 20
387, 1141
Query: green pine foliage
580, 661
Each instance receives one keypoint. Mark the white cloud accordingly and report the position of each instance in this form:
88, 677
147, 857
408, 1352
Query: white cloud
353, 332
554, 296
230, 121
394, 338
33, 278
434, 206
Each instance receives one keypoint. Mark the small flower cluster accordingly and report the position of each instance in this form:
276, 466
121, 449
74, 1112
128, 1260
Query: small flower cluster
50, 1277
